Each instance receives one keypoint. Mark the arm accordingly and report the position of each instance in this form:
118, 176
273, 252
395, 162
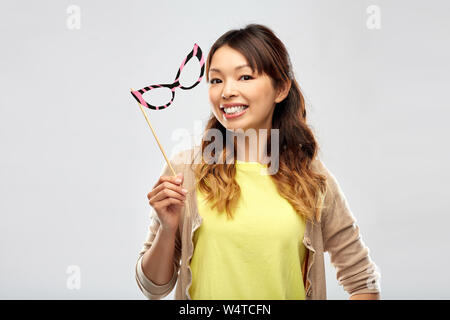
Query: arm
159, 260
366, 296
158, 263
356, 272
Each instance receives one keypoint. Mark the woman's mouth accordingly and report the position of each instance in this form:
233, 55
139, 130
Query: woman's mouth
234, 112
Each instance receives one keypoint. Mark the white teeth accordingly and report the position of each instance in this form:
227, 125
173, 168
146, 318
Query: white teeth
235, 109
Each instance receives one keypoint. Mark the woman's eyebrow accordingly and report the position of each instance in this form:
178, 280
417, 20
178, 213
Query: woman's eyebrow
238, 67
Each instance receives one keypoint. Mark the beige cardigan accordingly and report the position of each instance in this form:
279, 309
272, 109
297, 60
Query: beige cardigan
337, 234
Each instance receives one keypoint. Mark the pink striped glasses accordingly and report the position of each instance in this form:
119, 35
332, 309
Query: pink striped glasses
137, 94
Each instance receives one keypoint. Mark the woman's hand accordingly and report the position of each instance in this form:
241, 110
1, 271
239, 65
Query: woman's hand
167, 198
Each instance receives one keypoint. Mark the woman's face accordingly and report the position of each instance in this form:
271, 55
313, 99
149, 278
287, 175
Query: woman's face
231, 81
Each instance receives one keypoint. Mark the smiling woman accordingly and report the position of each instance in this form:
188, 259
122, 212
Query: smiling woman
235, 86
251, 235
251, 86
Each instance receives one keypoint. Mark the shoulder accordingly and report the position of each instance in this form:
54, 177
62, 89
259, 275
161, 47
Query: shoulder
333, 189
336, 208
318, 166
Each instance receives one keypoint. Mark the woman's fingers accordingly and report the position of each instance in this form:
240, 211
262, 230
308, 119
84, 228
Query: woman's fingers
170, 182
169, 186
173, 179
168, 191
166, 202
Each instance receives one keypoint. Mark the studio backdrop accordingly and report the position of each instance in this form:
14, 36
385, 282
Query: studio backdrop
77, 158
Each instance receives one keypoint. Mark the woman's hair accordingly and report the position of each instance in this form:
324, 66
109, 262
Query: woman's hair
295, 179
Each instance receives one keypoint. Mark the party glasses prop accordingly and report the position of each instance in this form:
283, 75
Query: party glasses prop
137, 94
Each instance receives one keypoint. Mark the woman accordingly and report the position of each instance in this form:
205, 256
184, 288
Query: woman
227, 227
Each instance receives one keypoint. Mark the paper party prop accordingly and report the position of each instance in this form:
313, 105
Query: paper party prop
137, 94
196, 52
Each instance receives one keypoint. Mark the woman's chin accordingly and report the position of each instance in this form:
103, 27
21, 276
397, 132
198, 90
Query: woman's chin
235, 126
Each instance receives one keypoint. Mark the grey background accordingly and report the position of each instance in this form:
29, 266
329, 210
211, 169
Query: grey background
78, 159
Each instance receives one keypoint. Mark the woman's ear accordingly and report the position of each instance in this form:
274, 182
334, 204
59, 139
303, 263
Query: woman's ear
283, 91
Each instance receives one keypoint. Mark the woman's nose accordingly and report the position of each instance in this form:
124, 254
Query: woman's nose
228, 91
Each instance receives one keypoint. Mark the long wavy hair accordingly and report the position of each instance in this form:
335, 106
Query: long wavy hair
295, 179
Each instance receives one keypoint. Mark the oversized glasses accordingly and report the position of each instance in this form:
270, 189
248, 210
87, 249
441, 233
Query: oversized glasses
196, 52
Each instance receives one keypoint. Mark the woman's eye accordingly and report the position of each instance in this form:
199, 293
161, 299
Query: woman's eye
247, 76
212, 81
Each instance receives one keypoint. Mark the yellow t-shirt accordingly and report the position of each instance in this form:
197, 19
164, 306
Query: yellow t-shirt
257, 255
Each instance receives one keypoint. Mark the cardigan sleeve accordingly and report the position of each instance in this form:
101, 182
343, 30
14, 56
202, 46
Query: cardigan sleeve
355, 270
151, 290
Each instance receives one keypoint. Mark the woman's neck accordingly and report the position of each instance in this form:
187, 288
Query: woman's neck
250, 148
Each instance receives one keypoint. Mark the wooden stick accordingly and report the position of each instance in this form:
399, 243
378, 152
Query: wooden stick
161, 148
156, 137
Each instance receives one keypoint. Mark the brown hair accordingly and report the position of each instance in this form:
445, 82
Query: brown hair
295, 179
